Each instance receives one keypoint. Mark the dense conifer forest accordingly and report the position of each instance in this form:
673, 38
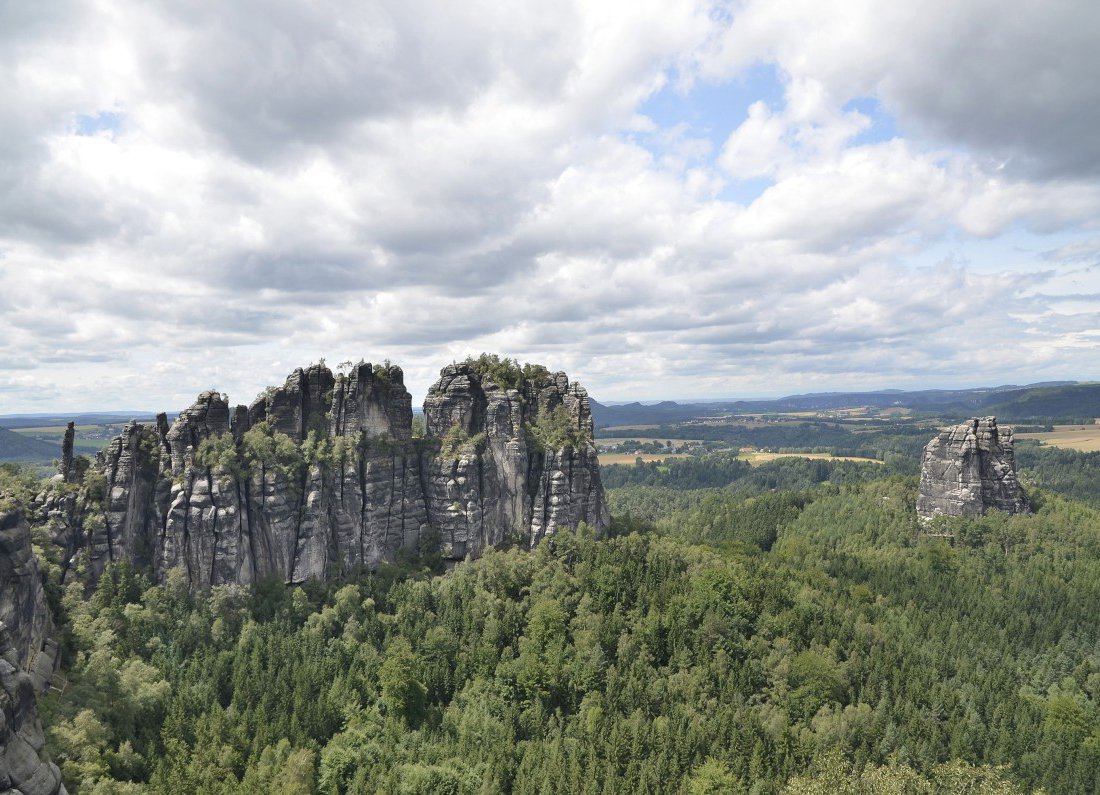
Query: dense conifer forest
787, 629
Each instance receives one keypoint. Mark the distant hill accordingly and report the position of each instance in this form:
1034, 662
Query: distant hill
663, 413
87, 418
1076, 401
1050, 399
15, 447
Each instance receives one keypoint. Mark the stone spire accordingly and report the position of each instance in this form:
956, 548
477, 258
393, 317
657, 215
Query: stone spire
969, 469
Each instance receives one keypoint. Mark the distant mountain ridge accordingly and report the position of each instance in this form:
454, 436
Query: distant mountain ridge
1073, 401
1048, 399
83, 418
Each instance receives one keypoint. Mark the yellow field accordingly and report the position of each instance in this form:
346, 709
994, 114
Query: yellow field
756, 459
54, 429
628, 458
1085, 438
646, 439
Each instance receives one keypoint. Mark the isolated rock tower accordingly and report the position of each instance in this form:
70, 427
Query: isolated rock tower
969, 469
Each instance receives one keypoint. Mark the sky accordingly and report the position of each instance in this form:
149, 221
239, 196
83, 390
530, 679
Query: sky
663, 198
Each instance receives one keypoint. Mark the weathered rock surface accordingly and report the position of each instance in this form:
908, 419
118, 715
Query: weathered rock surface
969, 469
70, 469
22, 601
505, 487
323, 475
28, 660
66, 464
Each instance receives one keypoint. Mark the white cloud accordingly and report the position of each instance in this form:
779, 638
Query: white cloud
1014, 83
811, 127
210, 194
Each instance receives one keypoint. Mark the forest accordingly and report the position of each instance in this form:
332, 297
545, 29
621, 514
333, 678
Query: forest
786, 629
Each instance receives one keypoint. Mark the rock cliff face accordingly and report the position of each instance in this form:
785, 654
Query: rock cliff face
23, 607
28, 659
323, 475
969, 469
494, 480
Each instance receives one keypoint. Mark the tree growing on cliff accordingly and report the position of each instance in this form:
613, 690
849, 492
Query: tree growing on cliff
220, 452
507, 373
17, 486
553, 430
270, 449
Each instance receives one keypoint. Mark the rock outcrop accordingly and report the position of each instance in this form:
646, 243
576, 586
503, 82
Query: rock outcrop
28, 660
494, 479
969, 469
323, 475
23, 608
70, 468
66, 464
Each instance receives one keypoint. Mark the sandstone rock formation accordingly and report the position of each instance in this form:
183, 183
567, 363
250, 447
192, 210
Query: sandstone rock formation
494, 480
324, 475
28, 659
23, 608
969, 469
66, 464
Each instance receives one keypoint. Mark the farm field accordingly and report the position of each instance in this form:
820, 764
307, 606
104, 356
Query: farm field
756, 459
54, 430
1085, 438
629, 458
81, 442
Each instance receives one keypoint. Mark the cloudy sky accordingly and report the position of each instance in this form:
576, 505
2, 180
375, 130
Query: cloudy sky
665, 198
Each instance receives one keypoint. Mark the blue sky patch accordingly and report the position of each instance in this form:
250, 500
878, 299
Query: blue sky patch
883, 126
745, 191
104, 121
714, 110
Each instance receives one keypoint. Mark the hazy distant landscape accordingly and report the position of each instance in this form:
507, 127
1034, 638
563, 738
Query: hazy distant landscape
853, 424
